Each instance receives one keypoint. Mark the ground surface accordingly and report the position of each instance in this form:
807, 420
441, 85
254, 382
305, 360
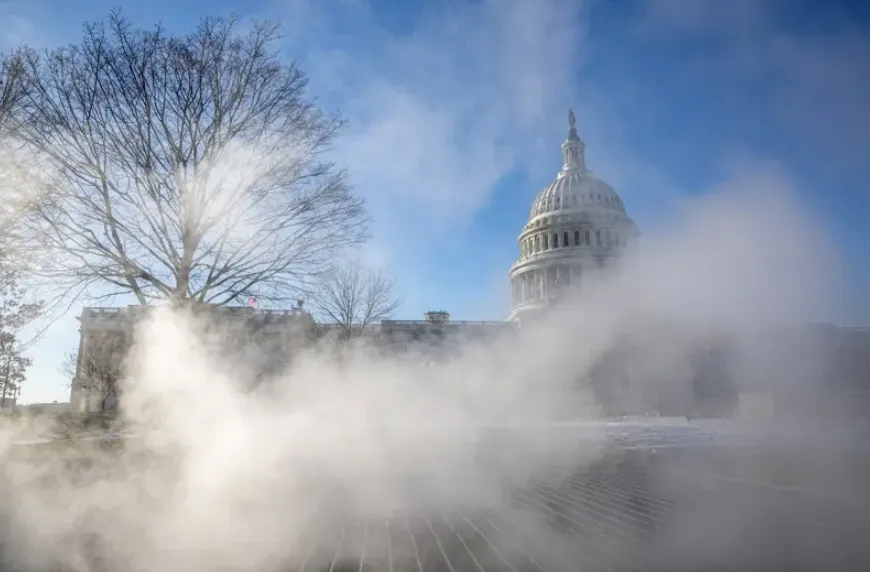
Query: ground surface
660, 498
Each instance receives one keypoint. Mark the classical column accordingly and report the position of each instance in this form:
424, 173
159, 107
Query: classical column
542, 279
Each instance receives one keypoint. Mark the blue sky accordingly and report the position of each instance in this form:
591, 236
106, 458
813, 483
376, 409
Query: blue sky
457, 109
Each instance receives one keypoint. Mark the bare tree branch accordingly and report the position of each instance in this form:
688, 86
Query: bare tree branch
189, 167
12, 88
16, 172
353, 297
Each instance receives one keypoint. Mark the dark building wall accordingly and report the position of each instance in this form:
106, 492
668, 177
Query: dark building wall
812, 373
714, 388
836, 386
612, 381
695, 381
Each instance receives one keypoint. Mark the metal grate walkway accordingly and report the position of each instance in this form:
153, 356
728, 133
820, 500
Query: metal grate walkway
682, 508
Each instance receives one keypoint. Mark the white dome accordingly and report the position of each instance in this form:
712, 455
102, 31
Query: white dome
577, 224
576, 191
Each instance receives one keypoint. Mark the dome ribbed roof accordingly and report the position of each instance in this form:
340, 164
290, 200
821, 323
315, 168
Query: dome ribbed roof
574, 191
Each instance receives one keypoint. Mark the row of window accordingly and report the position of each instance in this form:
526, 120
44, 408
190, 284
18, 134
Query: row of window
545, 240
553, 202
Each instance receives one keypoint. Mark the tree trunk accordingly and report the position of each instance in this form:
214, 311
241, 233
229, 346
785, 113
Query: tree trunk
5, 385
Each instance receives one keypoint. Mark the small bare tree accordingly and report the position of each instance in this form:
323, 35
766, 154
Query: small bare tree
95, 371
188, 167
13, 368
15, 314
353, 297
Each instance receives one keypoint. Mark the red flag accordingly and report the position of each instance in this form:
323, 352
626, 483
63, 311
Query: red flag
252, 301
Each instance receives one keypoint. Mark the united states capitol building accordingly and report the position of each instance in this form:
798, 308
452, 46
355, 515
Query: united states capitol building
578, 225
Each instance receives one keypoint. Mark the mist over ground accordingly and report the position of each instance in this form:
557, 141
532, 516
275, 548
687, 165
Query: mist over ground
222, 477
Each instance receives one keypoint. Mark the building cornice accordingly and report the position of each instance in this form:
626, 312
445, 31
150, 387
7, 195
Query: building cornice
573, 254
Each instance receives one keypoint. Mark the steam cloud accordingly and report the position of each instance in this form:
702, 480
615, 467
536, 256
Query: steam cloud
221, 477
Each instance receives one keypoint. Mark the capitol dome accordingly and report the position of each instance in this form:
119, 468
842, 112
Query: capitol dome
577, 224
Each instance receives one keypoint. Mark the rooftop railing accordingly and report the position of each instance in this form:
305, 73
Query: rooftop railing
442, 324
114, 311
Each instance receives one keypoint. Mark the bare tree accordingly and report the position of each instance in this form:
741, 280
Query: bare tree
13, 368
96, 369
353, 297
188, 167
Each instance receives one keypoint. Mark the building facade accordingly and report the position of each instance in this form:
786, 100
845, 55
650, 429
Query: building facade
107, 334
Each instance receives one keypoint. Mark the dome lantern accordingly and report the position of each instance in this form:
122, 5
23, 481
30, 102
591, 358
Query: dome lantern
573, 149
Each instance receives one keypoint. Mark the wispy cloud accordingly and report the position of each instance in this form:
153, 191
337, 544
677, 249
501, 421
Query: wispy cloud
445, 109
